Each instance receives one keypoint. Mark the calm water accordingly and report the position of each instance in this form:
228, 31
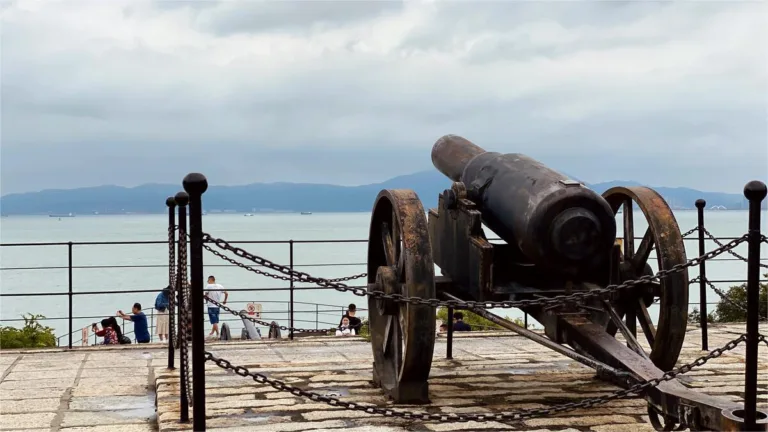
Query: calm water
314, 258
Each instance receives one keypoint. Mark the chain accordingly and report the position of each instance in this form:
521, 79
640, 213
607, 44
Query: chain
274, 276
243, 315
722, 295
690, 231
543, 301
184, 309
720, 244
509, 416
763, 339
171, 283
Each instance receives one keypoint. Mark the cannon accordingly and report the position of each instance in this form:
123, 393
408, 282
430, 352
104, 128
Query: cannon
559, 239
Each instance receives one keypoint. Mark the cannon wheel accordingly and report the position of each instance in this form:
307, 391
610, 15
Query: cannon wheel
665, 338
400, 261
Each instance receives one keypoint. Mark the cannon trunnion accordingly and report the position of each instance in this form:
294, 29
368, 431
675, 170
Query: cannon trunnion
559, 239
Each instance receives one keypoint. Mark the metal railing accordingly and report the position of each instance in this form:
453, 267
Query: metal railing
71, 292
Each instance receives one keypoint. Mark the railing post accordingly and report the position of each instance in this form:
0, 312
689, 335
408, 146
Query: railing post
182, 199
525, 320
171, 203
317, 316
755, 192
196, 184
700, 203
69, 291
449, 344
290, 245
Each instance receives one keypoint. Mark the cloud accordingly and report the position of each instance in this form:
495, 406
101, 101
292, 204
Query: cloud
664, 93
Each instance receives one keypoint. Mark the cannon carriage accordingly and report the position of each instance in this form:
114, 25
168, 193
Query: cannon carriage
559, 252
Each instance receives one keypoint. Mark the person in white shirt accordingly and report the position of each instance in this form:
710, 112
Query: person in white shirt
345, 329
216, 293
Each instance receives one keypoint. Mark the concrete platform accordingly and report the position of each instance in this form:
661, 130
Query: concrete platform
117, 389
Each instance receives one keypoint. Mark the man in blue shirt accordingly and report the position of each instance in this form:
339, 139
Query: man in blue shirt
459, 324
140, 328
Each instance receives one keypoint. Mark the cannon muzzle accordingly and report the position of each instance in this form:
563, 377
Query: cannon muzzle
452, 153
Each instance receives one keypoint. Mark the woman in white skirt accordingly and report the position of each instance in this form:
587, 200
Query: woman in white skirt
162, 303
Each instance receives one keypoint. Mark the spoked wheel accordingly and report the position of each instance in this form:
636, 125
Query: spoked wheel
400, 262
665, 338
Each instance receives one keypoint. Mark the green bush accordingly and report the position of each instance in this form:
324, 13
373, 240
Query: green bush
32, 335
365, 330
476, 321
726, 312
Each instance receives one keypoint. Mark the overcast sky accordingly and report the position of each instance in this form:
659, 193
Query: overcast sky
353, 92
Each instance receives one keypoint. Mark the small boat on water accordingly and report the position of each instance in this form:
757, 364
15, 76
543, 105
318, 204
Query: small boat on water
306, 213
248, 214
61, 215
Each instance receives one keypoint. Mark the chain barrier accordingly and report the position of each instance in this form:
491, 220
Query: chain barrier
763, 339
481, 417
172, 280
720, 244
720, 293
690, 231
244, 315
543, 301
270, 275
185, 318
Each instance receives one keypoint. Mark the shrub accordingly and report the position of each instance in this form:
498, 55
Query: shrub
32, 335
365, 330
476, 321
726, 312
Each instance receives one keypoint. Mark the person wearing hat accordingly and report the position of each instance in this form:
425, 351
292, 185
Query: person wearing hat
216, 293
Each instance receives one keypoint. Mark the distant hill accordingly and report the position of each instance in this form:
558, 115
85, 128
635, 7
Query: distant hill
292, 197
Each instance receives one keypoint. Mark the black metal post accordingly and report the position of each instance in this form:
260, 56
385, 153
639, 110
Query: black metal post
755, 192
70, 291
171, 203
196, 184
290, 245
182, 199
449, 344
700, 203
525, 320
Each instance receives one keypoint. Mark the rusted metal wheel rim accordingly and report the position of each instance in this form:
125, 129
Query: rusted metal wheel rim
402, 343
663, 235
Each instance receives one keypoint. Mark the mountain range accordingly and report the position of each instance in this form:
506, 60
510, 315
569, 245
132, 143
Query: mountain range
288, 197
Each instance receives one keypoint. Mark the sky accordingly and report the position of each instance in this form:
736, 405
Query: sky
355, 92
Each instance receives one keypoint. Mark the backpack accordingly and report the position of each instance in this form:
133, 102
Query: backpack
161, 303
125, 340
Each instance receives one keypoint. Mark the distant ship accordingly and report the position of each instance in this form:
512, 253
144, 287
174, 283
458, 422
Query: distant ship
248, 214
61, 215
306, 213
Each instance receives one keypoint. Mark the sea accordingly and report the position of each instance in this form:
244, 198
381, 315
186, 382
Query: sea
106, 268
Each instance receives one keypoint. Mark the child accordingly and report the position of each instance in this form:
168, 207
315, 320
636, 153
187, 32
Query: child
345, 329
107, 332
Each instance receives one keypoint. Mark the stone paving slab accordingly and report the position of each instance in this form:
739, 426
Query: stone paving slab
60, 390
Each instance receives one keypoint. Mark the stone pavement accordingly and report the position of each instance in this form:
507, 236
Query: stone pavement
116, 389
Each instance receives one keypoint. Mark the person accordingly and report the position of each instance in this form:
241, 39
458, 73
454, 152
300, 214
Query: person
459, 324
345, 329
354, 322
116, 327
443, 328
162, 303
215, 292
140, 328
107, 332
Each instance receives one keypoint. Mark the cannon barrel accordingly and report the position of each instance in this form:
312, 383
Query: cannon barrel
553, 220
